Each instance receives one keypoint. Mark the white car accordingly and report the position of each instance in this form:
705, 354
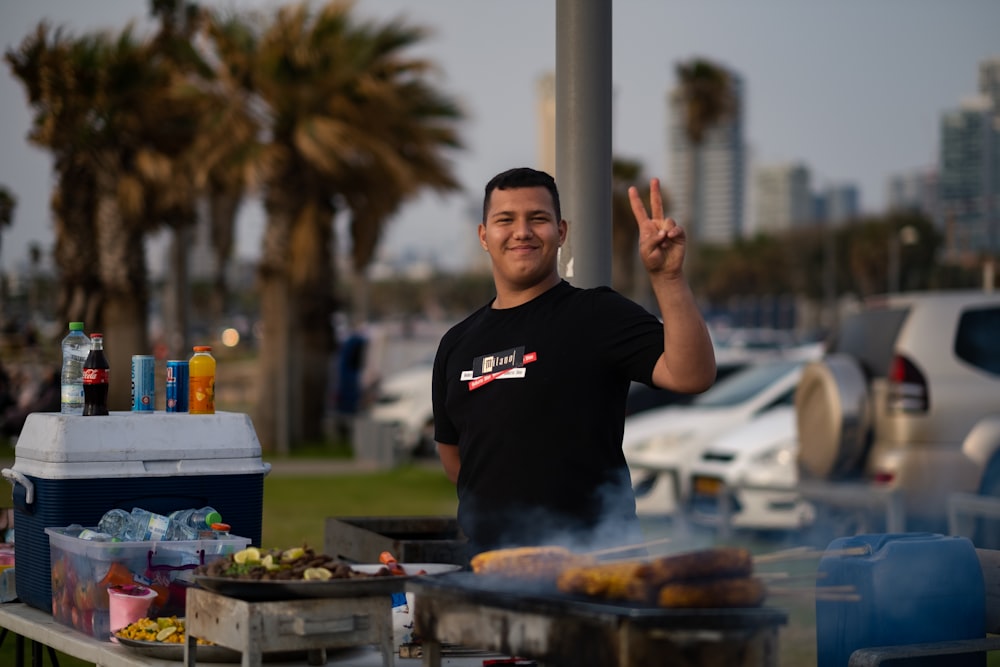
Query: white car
403, 400
660, 444
754, 464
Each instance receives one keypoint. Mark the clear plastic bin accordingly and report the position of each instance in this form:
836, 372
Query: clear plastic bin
82, 570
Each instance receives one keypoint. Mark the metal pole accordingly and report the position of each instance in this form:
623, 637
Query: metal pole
583, 134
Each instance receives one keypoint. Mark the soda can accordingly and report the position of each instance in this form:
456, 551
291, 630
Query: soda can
177, 386
143, 383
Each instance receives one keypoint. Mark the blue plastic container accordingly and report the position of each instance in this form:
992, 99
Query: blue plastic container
912, 588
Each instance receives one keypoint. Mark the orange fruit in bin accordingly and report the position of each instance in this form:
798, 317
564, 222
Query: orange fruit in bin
118, 575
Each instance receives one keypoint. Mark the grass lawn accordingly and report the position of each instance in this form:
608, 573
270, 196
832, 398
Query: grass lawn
295, 508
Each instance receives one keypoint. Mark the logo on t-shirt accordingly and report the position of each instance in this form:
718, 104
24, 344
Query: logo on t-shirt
506, 364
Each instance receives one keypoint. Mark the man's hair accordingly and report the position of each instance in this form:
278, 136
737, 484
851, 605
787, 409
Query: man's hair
522, 177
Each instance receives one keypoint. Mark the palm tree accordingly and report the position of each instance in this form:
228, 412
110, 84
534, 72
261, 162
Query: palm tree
705, 97
213, 166
8, 202
149, 122
59, 93
115, 117
353, 125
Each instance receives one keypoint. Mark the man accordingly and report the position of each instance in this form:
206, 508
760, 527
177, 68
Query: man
529, 391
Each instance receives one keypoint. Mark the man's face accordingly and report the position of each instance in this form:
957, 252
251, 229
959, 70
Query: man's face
522, 235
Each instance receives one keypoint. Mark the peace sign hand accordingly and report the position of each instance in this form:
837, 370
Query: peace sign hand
661, 239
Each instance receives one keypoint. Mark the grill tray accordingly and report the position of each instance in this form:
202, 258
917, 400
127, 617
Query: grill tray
546, 599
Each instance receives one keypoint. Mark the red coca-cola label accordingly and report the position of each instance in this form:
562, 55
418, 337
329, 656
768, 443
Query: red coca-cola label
95, 375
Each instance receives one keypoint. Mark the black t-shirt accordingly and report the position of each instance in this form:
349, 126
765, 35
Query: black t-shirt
534, 397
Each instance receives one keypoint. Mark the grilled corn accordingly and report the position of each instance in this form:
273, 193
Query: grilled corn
527, 563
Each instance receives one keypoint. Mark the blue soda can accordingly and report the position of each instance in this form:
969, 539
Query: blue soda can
143, 383
177, 386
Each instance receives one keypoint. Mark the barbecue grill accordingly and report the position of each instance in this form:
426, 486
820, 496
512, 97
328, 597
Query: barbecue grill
539, 622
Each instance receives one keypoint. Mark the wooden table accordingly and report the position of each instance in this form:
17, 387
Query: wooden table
38, 627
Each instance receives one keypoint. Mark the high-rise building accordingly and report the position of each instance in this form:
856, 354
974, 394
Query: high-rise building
841, 203
969, 185
783, 197
915, 190
989, 81
969, 170
719, 168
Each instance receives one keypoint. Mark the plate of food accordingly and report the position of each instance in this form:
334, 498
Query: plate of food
164, 638
261, 576
164, 651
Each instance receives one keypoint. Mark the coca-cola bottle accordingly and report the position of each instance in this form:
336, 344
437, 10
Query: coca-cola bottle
95, 378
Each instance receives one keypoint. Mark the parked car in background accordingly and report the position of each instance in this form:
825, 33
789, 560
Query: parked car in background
908, 398
660, 444
735, 349
403, 401
754, 464
642, 397
752, 340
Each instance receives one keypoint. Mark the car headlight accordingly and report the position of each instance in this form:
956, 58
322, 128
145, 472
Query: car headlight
776, 456
670, 440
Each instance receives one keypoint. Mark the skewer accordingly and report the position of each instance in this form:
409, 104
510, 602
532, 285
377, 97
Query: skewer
784, 554
628, 547
824, 593
786, 576
805, 553
822, 597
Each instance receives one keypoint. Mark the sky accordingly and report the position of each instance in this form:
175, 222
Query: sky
854, 89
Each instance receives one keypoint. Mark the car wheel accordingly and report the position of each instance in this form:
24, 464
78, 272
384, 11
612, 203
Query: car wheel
987, 535
833, 417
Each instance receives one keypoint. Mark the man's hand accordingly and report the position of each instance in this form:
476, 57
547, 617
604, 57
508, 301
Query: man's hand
661, 240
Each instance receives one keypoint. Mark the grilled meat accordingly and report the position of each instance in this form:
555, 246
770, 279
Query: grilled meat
689, 576
713, 593
705, 563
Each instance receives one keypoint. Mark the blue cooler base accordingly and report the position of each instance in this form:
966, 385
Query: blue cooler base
239, 499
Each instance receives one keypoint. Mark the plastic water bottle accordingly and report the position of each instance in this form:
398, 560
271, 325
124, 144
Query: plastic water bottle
199, 520
115, 523
75, 348
145, 526
94, 536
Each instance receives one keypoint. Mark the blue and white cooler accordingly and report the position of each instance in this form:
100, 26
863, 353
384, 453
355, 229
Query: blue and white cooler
71, 470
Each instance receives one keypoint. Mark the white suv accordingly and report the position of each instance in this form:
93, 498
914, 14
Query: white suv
898, 397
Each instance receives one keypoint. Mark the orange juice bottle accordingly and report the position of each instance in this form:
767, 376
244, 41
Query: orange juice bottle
201, 381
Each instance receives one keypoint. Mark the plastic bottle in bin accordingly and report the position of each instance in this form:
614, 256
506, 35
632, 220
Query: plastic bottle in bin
115, 523
78, 531
220, 531
199, 519
142, 525
146, 525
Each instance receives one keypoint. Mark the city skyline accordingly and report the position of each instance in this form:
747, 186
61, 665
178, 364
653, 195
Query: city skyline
856, 91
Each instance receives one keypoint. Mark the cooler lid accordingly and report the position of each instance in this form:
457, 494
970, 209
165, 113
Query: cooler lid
57, 446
